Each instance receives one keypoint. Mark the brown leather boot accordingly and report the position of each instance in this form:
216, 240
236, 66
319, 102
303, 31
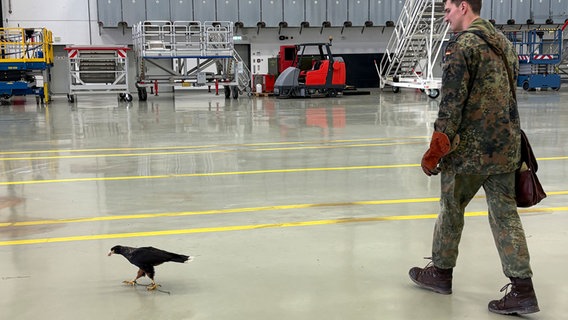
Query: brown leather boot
520, 300
432, 278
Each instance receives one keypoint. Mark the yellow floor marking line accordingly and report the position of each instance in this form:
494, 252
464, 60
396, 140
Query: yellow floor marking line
211, 174
237, 210
113, 155
167, 153
218, 211
110, 149
212, 145
203, 151
552, 158
248, 227
336, 146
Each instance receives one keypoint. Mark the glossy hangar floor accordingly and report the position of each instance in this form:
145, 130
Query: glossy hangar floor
293, 209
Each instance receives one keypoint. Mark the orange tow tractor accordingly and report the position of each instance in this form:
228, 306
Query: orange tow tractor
315, 72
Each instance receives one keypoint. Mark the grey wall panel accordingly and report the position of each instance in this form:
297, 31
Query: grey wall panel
181, 10
228, 10
249, 12
559, 9
384, 10
521, 10
541, 10
502, 11
294, 11
358, 12
315, 12
110, 12
337, 12
377, 12
133, 11
204, 10
396, 9
486, 7
158, 10
272, 12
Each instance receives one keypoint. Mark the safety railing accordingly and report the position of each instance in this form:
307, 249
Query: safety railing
183, 38
19, 45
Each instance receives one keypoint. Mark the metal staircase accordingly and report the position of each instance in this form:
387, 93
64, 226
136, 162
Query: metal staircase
242, 73
237, 70
414, 47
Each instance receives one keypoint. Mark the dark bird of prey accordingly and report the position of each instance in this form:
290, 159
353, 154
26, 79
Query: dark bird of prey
146, 258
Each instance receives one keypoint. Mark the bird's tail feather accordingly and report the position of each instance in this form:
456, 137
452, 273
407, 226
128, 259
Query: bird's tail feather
181, 258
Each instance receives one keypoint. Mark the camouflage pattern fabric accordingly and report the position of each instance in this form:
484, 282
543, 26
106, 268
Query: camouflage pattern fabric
477, 102
506, 226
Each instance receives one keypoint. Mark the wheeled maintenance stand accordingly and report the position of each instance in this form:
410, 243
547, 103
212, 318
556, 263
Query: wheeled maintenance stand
178, 54
26, 57
98, 70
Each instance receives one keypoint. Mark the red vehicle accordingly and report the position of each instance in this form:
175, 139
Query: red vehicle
314, 72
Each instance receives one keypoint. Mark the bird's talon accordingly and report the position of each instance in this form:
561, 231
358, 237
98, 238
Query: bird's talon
152, 287
130, 283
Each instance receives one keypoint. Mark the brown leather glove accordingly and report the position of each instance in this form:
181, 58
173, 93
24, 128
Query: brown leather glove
439, 147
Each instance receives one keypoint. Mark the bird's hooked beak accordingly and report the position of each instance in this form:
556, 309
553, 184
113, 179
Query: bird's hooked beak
110, 253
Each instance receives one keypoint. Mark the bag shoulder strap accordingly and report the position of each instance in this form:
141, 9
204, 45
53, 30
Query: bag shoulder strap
503, 56
527, 155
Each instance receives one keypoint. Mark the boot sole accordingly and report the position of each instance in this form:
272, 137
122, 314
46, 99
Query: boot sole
431, 288
516, 311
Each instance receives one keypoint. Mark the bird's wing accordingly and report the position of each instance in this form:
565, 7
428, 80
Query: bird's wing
150, 256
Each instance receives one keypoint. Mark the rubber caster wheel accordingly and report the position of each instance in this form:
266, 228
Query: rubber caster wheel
526, 86
434, 93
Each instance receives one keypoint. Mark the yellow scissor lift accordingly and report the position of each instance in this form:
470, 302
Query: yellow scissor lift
26, 57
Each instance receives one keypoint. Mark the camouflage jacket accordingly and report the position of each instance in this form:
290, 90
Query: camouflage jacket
477, 102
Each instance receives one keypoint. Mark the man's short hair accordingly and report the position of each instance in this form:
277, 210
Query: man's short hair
474, 4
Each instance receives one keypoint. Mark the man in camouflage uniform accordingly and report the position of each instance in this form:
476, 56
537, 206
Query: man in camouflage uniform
476, 143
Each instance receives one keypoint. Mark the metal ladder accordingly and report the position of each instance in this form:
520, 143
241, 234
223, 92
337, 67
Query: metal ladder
414, 47
236, 69
242, 73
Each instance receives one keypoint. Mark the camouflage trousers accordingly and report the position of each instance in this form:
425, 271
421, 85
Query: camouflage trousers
506, 226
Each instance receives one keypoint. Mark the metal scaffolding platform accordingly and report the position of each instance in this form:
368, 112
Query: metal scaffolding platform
26, 57
98, 70
192, 47
414, 46
540, 53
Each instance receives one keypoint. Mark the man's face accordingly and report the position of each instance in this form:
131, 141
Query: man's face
454, 15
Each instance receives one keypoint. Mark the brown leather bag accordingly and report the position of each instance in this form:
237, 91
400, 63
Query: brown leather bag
528, 189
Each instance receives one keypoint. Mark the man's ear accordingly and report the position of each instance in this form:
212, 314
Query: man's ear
464, 6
